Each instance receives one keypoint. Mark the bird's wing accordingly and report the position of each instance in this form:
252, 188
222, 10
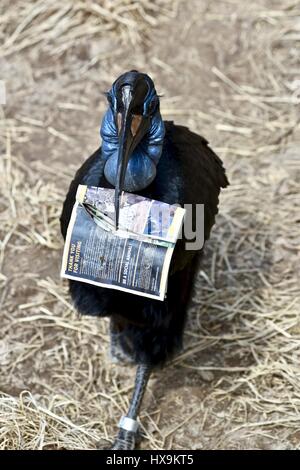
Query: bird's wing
202, 177
91, 174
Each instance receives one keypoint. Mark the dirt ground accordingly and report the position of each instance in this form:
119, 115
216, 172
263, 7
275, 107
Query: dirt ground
228, 69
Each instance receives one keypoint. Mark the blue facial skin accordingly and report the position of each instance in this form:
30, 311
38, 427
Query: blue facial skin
141, 169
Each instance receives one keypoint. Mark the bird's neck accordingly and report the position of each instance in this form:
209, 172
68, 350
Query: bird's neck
141, 169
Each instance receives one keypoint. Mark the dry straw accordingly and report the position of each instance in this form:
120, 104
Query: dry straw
57, 27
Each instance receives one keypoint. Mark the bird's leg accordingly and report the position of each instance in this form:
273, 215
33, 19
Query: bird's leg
118, 350
127, 435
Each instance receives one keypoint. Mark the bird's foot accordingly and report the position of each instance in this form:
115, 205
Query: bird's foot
126, 440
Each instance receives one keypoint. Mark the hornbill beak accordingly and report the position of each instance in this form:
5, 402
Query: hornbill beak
132, 128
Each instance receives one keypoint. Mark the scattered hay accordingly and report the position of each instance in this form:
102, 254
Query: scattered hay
29, 422
58, 26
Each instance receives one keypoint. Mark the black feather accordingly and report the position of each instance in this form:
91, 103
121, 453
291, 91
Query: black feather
189, 172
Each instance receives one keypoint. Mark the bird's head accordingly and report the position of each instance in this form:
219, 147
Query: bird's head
132, 132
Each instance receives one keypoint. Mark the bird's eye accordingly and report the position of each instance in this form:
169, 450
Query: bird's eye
153, 105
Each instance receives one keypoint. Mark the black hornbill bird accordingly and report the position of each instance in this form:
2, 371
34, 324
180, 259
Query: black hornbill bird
159, 160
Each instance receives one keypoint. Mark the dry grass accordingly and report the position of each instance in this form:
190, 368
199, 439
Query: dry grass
242, 349
56, 27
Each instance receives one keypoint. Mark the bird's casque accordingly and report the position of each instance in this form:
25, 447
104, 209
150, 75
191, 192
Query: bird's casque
142, 162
